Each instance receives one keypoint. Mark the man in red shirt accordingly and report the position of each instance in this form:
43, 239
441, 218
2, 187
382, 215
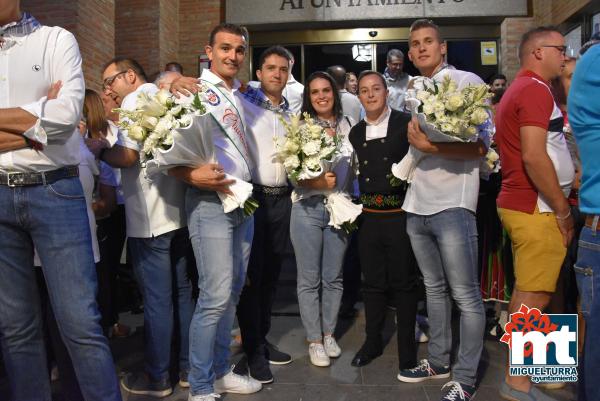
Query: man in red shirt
536, 175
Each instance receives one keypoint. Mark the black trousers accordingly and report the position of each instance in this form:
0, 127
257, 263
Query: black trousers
389, 269
270, 245
111, 238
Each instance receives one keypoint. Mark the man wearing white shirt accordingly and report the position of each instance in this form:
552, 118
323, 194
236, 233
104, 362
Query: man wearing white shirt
293, 90
158, 242
42, 204
397, 80
441, 203
351, 106
263, 110
221, 241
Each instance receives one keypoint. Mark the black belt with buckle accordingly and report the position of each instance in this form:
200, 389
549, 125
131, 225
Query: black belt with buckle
271, 191
22, 179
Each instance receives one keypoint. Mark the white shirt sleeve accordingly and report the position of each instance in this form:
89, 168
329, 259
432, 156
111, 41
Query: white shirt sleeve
57, 118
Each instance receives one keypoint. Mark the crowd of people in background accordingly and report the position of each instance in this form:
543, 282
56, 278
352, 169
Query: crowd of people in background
73, 191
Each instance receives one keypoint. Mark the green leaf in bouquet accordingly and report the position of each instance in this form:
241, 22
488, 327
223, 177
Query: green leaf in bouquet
395, 181
250, 206
197, 103
349, 227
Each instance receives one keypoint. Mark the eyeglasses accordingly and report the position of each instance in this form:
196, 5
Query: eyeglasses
562, 49
107, 83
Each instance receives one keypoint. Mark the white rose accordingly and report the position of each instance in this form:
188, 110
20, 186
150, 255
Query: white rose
428, 108
168, 140
291, 147
439, 107
479, 116
471, 130
311, 148
153, 108
315, 131
423, 95
313, 163
149, 122
164, 125
176, 110
136, 132
454, 102
447, 127
292, 162
185, 120
163, 97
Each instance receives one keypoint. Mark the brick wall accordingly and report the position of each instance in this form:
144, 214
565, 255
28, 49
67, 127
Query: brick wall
137, 33
545, 12
91, 21
511, 31
196, 19
169, 31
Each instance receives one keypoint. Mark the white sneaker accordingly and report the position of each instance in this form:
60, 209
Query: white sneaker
420, 335
238, 384
332, 349
318, 356
205, 397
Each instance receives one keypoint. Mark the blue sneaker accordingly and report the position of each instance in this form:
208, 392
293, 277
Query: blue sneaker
458, 392
423, 371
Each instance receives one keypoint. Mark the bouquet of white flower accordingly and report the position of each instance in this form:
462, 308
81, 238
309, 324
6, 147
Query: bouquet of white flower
176, 132
445, 114
308, 150
156, 118
304, 148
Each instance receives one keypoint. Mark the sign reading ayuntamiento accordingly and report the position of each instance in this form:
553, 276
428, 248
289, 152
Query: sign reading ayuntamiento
257, 12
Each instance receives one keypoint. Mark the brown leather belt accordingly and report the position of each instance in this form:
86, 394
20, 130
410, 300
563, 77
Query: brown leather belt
589, 221
369, 210
22, 179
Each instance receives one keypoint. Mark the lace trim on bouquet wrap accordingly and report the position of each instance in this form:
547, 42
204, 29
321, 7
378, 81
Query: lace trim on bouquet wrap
445, 114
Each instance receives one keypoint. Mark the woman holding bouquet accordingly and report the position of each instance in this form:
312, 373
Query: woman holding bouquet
319, 247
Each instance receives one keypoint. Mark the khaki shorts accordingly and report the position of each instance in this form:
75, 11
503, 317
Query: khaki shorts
538, 250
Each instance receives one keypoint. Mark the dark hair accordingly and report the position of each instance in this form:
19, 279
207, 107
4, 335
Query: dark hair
229, 28
174, 66
394, 53
426, 23
371, 72
124, 64
495, 77
338, 73
534, 34
274, 50
307, 104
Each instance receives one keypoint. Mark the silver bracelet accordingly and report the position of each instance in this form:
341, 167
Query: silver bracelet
565, 217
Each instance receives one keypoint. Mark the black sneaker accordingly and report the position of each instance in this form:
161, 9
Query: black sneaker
276, 357
256, 367
140, 383
423, 371
183, 379
458, 392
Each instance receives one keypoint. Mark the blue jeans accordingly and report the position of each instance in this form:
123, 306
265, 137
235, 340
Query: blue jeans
445, 245
221, 243
587, 272
319, 250
161, 265
54, 218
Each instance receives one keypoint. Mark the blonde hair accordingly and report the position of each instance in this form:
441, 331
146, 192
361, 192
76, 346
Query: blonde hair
93, 112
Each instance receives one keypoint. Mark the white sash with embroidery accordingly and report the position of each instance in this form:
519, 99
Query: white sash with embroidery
227, 117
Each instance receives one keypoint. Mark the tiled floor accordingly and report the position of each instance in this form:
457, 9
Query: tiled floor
301, 381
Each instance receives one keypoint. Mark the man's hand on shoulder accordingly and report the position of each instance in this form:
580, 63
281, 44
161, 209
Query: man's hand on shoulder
185, 86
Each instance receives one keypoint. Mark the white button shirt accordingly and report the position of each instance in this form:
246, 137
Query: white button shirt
152, 206
29, 64
440, 183
262, 126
